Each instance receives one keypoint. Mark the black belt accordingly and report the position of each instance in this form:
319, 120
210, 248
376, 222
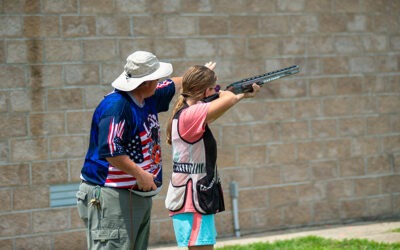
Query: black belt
88, 183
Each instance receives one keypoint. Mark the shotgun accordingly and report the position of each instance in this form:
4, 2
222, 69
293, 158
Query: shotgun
245, 85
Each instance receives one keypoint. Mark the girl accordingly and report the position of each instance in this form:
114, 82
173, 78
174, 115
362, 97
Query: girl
194, 193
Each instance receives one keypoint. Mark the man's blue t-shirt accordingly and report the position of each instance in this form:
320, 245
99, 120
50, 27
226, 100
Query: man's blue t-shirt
121, 127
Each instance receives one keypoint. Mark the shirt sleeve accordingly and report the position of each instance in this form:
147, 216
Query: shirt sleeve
113, 127
165, 91
110, 141
192, 122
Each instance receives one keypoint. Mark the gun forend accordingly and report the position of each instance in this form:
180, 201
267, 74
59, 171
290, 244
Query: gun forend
244, 85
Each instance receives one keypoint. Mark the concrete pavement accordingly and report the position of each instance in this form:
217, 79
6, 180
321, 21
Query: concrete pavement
379, 231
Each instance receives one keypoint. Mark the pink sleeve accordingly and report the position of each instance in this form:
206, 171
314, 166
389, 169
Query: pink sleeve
192, 122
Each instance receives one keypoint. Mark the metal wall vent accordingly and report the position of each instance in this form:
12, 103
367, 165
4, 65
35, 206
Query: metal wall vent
63, 195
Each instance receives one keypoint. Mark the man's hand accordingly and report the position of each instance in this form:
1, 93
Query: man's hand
211, 65
145, 181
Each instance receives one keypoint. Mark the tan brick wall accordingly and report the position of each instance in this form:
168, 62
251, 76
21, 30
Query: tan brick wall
320, 147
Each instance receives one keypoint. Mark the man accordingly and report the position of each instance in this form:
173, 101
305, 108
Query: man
123, 167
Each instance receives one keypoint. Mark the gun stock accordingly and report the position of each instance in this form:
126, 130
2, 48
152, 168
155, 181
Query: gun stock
245, 85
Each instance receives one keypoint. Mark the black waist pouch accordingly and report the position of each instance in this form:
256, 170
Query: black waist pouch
210, 195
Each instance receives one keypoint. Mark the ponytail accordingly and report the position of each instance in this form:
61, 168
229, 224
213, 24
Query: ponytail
178, 105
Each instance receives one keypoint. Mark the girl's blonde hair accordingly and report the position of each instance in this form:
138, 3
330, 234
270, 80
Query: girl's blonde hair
195, 81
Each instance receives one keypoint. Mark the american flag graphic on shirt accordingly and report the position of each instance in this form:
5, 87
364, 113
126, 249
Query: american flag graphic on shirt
138, 151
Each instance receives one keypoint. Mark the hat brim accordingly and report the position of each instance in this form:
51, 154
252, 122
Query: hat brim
124, 84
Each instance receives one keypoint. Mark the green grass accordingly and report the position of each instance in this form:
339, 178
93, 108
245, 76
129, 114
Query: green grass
315, 243
397, 230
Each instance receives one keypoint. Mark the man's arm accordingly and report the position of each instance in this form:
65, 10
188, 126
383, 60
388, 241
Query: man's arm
178, 80
178, 83
145, 180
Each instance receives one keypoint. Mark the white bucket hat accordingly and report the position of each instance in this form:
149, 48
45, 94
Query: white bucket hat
141, 66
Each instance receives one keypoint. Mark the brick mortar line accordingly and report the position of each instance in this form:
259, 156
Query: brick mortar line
270, 186
50, 233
